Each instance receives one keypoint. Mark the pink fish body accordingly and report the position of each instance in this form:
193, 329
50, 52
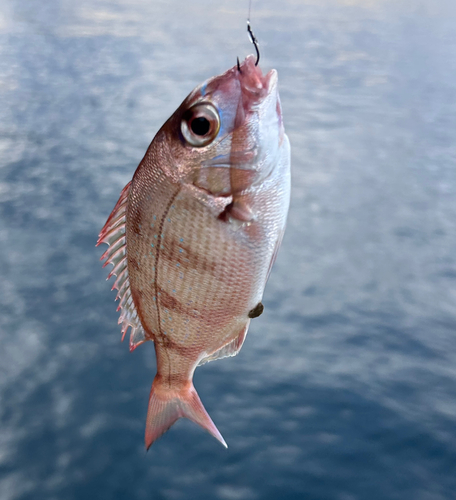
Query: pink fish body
195, 233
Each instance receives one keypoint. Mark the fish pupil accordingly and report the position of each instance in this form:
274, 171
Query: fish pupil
200, 125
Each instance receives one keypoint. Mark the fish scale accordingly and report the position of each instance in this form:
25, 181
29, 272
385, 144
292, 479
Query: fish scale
194, 236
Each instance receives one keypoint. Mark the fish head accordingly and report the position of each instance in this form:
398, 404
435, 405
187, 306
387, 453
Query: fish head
226, 135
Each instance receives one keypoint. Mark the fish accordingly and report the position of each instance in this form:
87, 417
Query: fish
195, 233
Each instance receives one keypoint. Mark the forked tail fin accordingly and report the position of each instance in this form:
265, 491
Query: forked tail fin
166, 406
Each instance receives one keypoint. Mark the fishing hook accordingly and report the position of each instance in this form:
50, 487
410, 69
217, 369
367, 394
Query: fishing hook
254, 41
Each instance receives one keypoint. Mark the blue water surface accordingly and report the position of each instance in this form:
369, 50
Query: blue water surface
346, 386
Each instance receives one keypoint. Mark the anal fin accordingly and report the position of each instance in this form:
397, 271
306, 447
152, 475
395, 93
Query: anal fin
230, 349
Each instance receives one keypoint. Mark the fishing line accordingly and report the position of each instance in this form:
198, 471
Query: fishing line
252, 36
252, 39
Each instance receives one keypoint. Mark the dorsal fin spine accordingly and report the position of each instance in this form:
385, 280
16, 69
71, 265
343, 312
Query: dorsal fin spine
124, 299
114, 234
119, 267
116, 256
112, 248
115, 272
122, 290
121, 278
120, 219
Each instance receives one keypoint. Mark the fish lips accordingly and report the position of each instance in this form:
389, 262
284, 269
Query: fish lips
253, 81
257, 90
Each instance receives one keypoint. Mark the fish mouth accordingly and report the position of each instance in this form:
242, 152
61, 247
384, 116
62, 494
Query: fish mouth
254, 84
258, 92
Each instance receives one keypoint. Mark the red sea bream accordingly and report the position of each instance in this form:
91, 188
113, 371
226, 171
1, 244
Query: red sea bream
195, 233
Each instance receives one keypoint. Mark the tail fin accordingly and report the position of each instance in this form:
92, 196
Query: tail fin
166, 406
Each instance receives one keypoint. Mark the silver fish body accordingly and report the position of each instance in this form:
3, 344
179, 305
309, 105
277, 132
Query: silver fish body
194, 235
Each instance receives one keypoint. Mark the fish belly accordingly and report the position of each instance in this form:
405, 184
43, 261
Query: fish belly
193, 277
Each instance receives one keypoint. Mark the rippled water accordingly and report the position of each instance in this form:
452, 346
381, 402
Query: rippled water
346, 387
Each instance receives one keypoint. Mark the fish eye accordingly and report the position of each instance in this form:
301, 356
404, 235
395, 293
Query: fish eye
200, 124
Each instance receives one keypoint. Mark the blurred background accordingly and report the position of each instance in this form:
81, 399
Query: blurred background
346, 387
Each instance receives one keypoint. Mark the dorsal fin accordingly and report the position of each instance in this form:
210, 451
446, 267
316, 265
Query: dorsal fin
113, 233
